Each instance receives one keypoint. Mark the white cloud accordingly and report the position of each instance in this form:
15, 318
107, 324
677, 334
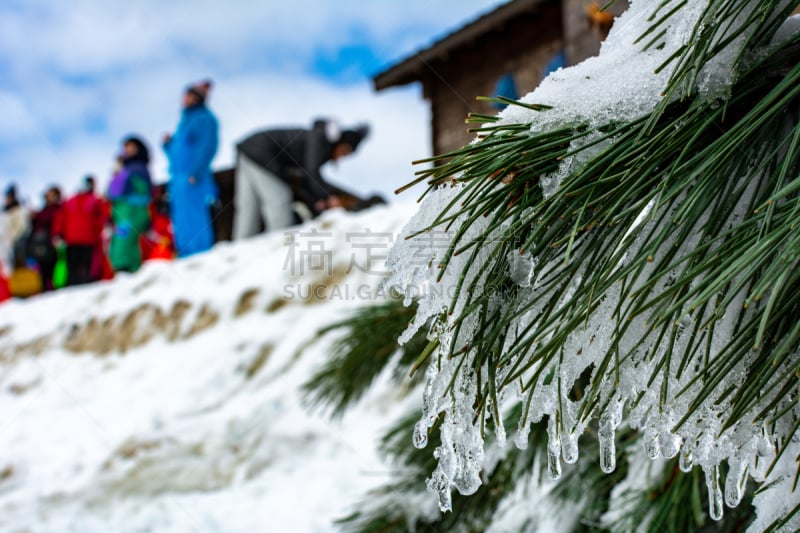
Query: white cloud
85, 35
75, 77
16, 117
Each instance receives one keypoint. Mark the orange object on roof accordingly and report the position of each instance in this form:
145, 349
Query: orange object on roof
597, 17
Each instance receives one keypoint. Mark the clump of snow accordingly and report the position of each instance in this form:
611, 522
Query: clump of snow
621, 83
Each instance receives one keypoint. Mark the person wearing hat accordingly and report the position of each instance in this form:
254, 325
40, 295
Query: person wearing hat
192, 189
277, 167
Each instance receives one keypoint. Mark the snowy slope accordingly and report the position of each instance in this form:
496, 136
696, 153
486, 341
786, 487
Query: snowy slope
168, 400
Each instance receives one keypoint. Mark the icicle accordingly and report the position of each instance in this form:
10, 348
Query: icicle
762, 457
569, 448
468, 460
468, 480
553, 463
420, 434
616, 413
705, 445
670, 444
685, 460
430, 407
735, 481
521, 437
461, 452
439, 484
608, 448
651, 442
553, 449
429, 397
606, 434
714, 493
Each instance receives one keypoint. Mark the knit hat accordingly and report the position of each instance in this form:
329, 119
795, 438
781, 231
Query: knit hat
200, 89
87, 184
354, 136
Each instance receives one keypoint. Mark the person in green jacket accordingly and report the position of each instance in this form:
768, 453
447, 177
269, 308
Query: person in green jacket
129, 193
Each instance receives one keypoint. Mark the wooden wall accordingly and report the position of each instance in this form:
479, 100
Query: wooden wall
523, 47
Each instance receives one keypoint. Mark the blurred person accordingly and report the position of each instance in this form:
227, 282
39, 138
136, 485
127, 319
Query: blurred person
129, 193
41, 245
158, 242
17, 226
192, 190
6, 250
80, 224
277, 167
5, 289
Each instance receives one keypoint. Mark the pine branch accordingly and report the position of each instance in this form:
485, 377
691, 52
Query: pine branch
677, 503
366, 345
665, 263
583, 484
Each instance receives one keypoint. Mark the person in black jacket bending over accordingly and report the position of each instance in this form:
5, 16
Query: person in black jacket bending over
276, 167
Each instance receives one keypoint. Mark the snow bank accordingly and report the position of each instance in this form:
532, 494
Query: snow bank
168, 400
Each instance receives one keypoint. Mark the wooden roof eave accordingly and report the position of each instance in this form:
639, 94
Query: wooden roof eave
414, 67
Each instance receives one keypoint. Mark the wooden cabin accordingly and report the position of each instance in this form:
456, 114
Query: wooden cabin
507, 51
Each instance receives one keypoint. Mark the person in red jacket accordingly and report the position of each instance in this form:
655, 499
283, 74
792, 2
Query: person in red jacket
80, 224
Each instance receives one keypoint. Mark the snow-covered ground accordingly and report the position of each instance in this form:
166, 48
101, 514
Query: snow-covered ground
168, 400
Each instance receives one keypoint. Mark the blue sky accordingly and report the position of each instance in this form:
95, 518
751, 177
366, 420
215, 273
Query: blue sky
76, 77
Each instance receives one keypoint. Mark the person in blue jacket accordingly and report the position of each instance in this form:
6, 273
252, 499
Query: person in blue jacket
192, 189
